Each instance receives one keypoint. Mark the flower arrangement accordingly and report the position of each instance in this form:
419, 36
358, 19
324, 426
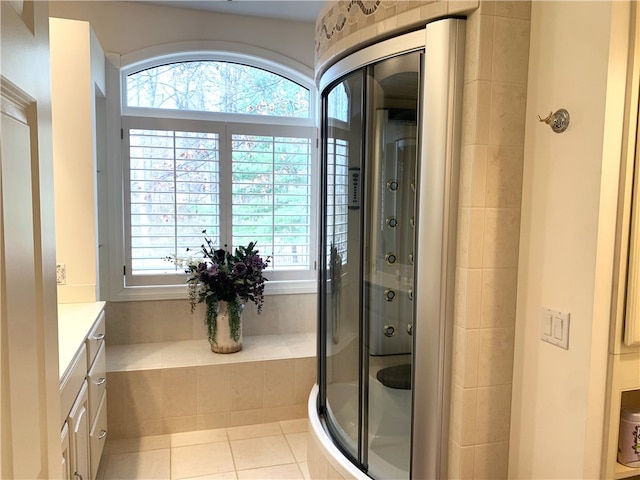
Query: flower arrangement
225, 276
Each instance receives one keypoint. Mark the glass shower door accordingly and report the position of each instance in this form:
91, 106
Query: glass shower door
394, 90
369, 173
389, 173
341, 273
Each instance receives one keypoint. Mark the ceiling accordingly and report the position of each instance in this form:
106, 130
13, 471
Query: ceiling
295, 10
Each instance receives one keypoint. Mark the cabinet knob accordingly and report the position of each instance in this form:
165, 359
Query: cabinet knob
78, 475
103, 433
98, 336
100, 381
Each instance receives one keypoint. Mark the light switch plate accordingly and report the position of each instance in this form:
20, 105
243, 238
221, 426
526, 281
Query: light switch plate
554, 327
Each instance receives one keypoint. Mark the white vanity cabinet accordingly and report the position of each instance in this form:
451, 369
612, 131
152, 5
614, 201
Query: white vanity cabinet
97, 382
83, 384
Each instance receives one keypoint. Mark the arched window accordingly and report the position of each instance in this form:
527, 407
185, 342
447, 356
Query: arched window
216, 86
220, 146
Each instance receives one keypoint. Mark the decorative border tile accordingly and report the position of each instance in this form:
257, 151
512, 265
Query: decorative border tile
350, 24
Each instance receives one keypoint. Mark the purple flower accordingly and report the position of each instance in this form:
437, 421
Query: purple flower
219, 255
212, 270
256, 261
239, 269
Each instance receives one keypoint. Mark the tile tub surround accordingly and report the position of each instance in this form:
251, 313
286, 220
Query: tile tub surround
491, 165
172, 320
170, 387
276, 450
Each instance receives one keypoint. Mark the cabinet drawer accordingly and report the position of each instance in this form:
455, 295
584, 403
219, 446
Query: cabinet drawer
71, 382
98, 436
95, 339
97, 378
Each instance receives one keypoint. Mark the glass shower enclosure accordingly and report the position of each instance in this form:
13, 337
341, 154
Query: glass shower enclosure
390, 137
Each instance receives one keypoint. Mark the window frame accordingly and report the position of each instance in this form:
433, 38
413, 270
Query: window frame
113, 219
226, 131
148, 123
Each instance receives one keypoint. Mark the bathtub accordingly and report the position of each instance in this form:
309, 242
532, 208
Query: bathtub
389, 433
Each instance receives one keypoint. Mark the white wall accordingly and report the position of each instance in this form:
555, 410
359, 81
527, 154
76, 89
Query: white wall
577, 61
125, 27
77, 76
129, 30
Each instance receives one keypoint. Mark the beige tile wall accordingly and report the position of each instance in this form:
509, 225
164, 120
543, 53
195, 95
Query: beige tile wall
496, 63
170, 400
171, 320
488, 236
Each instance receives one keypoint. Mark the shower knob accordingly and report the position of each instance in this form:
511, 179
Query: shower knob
392, 185
390, 258
392, 222
389, 330
389, 294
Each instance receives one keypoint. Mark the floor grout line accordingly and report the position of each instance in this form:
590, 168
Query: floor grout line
233, 457
140, 447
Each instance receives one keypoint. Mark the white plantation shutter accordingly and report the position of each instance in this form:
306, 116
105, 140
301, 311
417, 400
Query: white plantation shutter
271, 200
239, 187
173, 196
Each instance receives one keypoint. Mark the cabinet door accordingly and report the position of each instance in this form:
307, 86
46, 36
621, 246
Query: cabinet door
79, 435
66, 452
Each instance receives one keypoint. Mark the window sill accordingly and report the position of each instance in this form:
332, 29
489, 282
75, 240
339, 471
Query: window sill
177, 292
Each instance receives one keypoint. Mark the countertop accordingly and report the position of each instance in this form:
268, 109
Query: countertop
74, 322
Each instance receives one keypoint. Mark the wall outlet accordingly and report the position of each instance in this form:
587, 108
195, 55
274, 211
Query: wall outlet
61, 274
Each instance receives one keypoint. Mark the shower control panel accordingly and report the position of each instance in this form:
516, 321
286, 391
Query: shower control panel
354, 188
555, 327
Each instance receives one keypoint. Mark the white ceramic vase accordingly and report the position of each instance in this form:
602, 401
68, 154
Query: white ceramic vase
227, 337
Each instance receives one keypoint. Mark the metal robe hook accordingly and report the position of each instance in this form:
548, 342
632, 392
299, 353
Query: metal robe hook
558, 121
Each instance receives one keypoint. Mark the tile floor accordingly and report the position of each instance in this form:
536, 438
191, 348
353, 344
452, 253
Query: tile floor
265, 451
